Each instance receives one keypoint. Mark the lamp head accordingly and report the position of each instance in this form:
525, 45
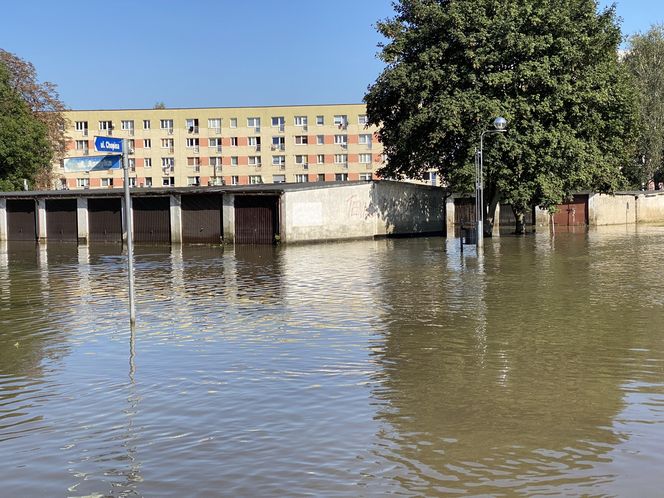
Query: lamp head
500, 123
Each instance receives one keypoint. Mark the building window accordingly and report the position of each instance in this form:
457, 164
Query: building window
365, 158
233, 122
341, 139
255, 161
105, 125
82, 145
132, 181
215, 162
192, 125
300, 121
278, 178
214, 124
278, 160
167, 143
301, 140
341, 177
321, 177
166, 124
255, 179
148, 181
301, 178
146, 124
107, 182
147, 143
278, 143
147, 162
320, 159
82, 126
365, 177
127, 125
320, 139
83, 182
193, 181
341, 121
235, 180
365, 139
131, 164
168, 163
233, 141
278, 121
320, 120
254, 123
194, 162
168, 181
301, 160
340, 158
131, 145
255, 142
362, 119
192, 143
234, 161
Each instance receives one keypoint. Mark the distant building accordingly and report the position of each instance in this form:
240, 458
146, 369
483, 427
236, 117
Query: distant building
223, 146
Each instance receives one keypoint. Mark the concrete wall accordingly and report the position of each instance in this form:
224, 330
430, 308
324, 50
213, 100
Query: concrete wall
626, 208
361, 211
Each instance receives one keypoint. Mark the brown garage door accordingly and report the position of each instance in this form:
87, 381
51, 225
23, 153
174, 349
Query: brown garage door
572, 213
256, 219
21, 220
201, 219
152, 220
61, 221
464, 211
105, 220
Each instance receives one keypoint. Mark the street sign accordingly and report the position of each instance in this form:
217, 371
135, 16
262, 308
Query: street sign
108, 144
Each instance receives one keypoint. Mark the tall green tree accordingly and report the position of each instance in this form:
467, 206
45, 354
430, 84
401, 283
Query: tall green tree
46, 107
645, 62
549, 66
25, 149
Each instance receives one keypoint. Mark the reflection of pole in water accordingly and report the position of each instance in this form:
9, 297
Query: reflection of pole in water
133, 476
43, 269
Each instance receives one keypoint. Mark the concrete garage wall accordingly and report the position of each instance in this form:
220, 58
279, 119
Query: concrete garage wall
626, 208
361, 211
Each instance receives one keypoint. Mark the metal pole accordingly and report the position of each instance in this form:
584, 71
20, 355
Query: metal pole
130, 235
480, 199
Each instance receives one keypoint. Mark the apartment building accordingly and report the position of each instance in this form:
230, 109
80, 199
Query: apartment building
222, 146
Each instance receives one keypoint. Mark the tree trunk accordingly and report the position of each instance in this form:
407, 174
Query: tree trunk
489, 217
520, 228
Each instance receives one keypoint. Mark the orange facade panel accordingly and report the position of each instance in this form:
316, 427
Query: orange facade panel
353, 139
328, 139
204, 142
243, 160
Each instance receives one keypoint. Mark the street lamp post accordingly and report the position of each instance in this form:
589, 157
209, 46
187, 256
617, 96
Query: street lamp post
500, 126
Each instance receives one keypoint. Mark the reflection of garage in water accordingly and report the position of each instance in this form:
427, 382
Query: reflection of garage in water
61, 220
21, 219
105, 220
201, 219
256, 219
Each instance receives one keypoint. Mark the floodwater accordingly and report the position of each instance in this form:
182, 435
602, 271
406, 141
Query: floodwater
353, 369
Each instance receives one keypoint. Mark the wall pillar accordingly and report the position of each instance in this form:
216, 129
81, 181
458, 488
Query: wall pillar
449, 216
228, 218
176, 219
82, 219
41, 220
3, 220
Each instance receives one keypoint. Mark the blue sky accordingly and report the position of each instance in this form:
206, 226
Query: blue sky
131, 54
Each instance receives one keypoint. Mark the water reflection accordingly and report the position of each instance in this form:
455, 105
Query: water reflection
353, 369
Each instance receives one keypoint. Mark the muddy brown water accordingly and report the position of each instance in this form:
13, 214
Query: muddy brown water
353, 369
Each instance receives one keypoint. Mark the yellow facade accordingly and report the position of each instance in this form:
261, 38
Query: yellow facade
240, 145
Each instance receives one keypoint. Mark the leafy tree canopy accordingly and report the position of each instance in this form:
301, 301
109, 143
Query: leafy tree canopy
550, 67
28, 110
645, 62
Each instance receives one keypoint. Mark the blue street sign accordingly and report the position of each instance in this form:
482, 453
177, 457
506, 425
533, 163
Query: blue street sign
108, 144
